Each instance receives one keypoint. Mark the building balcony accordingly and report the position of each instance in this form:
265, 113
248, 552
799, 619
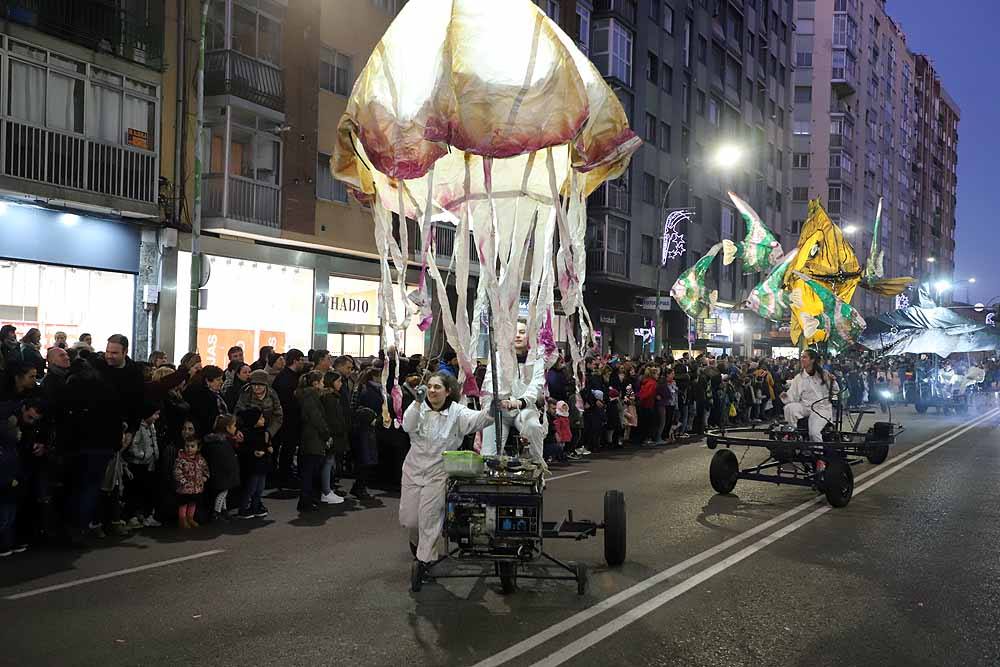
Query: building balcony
606, 263
625, 10
843, 81
233, 73
243, 200
99, 25
842, 142
612, 196
76, 168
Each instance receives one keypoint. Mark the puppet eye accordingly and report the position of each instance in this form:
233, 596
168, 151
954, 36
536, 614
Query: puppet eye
814, 251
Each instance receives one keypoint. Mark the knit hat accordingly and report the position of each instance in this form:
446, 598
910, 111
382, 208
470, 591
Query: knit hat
612, 393
562, 409
598, 394
259, 377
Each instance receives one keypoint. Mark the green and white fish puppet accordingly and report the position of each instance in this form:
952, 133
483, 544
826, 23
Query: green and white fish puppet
840, 321
690, 291
770, 299
875, 266
759, 249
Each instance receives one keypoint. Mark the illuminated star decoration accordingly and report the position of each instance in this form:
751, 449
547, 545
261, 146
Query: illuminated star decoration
674, 245
902, 301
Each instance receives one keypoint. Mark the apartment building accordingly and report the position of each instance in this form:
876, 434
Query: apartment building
80, 106
693, 75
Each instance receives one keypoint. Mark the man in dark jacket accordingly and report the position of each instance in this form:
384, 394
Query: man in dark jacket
287, 441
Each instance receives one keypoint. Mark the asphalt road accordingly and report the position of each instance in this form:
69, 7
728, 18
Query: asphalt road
907, 574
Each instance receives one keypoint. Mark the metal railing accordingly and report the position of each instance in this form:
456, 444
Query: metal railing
75, 162
611, 196
608, 263
232, 73
248, 200
627, 9
99, 25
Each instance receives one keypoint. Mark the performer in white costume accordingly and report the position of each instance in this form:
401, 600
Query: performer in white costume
809, 394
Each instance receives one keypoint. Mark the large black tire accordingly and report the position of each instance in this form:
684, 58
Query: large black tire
615, 528
416, 577
723, 471
962, 408
582, 578
508, 577
920, 407
838, 482
877, 454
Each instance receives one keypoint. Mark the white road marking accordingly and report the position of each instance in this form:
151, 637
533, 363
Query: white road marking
654, 603
553, 631
111, 575
569, 474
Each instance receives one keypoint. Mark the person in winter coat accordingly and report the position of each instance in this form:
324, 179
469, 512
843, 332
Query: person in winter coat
436, 425
647, 405
256, 453
287, 441
337, 413
31, 351
259, 394
367, 406
141, 457
315, 434
219, 450
9, 348
564, 434
204, 397
190, 475
19, 382
262, 359
13, 417
241, 378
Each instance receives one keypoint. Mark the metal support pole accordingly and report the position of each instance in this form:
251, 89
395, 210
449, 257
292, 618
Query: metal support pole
657, 350
196, 218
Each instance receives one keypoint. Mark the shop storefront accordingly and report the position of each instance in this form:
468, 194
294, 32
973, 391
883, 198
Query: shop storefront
250, 304
354, 319
67, 272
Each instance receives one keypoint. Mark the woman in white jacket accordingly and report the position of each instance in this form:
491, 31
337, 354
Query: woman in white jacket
809, 394
435, 425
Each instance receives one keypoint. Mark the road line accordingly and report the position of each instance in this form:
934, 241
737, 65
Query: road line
569, 474
553, 631
112, 575
654, 603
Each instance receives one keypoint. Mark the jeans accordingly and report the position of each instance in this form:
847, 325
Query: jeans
682, 420
309, 467
88, 475
326, 473
252, 491
8, 514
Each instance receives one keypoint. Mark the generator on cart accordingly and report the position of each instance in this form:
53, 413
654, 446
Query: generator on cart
495, 521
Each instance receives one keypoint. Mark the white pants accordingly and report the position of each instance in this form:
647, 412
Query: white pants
421, 510
796, 411
528, 426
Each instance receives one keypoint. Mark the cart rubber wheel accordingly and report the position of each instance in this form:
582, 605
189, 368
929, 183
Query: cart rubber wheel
877, 454
508, 577
724, 471
838, 482
615, 524
416, 577
582, 579
920, 406
962, 409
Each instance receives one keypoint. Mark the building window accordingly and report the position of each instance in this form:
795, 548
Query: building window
327, 187
834, 193
800, 160
664, 137
713, 112
668, 18
648, 188
686, 102
702, 49
699, 102
667, 79
696, 205
803, 95
685, 143
583, 27
800, 194
651, 129
804, 59
551, 7
613, 50
661, 194
335, 72
802, 127
686, 46
805, 27
648, 250
654, 11
256, 34
652, 68
797, 226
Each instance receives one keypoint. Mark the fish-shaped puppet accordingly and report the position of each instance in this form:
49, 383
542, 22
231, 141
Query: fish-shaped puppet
690, 291
838, 323
825, 256
769, 299
759, 249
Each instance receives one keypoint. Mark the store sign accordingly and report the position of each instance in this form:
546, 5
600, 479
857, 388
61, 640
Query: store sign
138, 138
214, 344
608, 319
349, 305
710, 325
649, 303
354, 301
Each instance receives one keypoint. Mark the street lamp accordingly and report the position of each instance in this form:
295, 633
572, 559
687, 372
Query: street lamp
850, 229
931, 260
725, 157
